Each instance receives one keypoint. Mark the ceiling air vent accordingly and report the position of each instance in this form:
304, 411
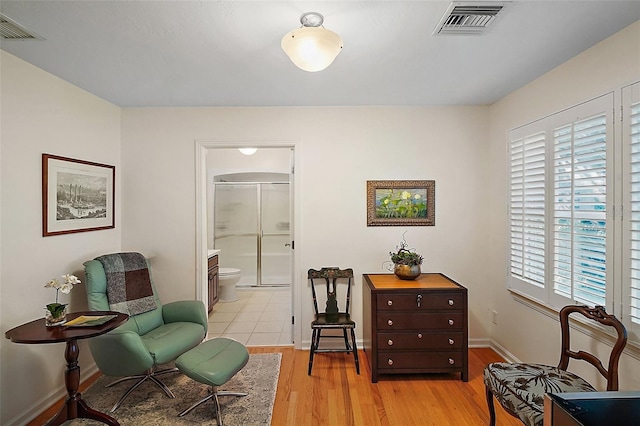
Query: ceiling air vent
468, 18
11, 30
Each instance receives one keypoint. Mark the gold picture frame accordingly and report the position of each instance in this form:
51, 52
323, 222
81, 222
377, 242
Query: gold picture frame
401, 202
77, 195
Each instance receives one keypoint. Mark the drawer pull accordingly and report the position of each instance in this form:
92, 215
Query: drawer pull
390, 322
451, 342
450, 302
419, 335
450, 322
390, 342
390, 302
390, 361
419, 300
451, 361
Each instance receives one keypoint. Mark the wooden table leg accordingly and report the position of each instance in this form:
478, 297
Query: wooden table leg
75, 407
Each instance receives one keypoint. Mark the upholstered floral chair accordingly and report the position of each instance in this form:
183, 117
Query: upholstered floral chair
520, 388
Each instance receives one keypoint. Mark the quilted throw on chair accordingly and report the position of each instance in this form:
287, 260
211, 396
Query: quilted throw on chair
128, 283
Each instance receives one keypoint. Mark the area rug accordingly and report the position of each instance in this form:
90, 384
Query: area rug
148, 405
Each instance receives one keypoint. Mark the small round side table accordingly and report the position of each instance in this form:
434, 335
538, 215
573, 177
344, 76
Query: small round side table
36, 332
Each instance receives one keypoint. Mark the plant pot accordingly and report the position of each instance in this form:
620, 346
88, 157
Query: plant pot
59, 319
407, 272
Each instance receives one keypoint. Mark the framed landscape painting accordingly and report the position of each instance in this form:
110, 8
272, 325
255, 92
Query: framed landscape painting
77, 195
401, 202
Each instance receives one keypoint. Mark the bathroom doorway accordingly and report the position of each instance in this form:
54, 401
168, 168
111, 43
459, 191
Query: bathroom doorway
264, 313
251, 226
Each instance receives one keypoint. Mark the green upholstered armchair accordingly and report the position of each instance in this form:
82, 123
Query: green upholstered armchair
134, 350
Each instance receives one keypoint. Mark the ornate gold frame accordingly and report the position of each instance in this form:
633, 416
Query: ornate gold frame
415, 188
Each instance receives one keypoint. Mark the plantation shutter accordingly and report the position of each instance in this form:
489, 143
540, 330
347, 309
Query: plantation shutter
527, 209
580, 229
631, 141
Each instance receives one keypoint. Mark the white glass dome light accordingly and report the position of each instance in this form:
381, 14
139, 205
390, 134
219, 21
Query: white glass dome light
248, 151
312, 47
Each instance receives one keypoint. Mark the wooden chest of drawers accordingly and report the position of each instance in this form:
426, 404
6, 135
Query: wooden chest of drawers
418, 326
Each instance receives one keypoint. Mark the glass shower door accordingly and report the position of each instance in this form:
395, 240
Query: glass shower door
237, 228
251, 228
275, 250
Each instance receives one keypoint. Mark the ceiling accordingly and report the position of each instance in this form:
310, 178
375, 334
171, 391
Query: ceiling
227, 53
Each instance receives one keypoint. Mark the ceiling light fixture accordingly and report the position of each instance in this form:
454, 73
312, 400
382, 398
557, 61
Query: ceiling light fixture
248, 151
312, 47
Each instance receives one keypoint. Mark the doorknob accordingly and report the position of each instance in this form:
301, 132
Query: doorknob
287, 245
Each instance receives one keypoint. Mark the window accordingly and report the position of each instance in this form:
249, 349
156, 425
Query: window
631, 223
527, 207
579, 209
561, 199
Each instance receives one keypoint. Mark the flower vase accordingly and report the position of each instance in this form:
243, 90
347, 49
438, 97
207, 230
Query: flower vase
59, 319
407, 272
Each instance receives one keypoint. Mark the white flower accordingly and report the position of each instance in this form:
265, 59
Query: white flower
53, 283
65, 287
71, 279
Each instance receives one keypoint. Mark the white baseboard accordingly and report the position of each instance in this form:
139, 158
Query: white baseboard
473, 343
48, 400
479, 343
500, 350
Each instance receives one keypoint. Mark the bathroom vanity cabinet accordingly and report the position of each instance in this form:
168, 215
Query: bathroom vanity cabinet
213, 283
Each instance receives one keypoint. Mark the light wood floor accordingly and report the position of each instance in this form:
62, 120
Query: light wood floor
335, 395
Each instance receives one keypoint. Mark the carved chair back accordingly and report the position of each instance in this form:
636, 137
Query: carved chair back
598, 313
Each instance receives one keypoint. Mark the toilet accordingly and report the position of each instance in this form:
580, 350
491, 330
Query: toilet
227, 280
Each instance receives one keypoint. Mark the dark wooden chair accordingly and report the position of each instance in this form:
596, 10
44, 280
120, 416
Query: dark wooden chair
520, 388
332, 318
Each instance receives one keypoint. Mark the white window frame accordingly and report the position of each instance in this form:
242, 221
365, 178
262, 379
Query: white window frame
533, 133
630, 212
543, 293
623, 211
603, 105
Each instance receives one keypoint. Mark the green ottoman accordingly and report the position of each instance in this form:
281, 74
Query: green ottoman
213, 363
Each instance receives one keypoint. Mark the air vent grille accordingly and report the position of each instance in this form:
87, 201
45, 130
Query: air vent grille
468, 18
11, 30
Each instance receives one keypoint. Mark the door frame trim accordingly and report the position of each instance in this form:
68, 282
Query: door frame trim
201, 288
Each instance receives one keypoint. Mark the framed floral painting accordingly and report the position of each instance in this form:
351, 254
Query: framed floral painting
401, 202
77, 195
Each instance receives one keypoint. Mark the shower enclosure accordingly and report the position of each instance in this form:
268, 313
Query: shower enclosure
252, 227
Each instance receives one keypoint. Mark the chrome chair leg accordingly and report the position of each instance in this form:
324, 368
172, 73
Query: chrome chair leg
166, 371
213, 394
124, 379
126, 394
162, 386
141, 378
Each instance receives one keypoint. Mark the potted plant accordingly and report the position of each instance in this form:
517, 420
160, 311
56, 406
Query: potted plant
406, 262
56, 313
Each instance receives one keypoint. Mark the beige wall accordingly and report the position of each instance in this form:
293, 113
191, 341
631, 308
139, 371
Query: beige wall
43, 114
340, 149
526, 333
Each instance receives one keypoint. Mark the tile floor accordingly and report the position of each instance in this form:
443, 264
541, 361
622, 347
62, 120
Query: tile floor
261, 317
